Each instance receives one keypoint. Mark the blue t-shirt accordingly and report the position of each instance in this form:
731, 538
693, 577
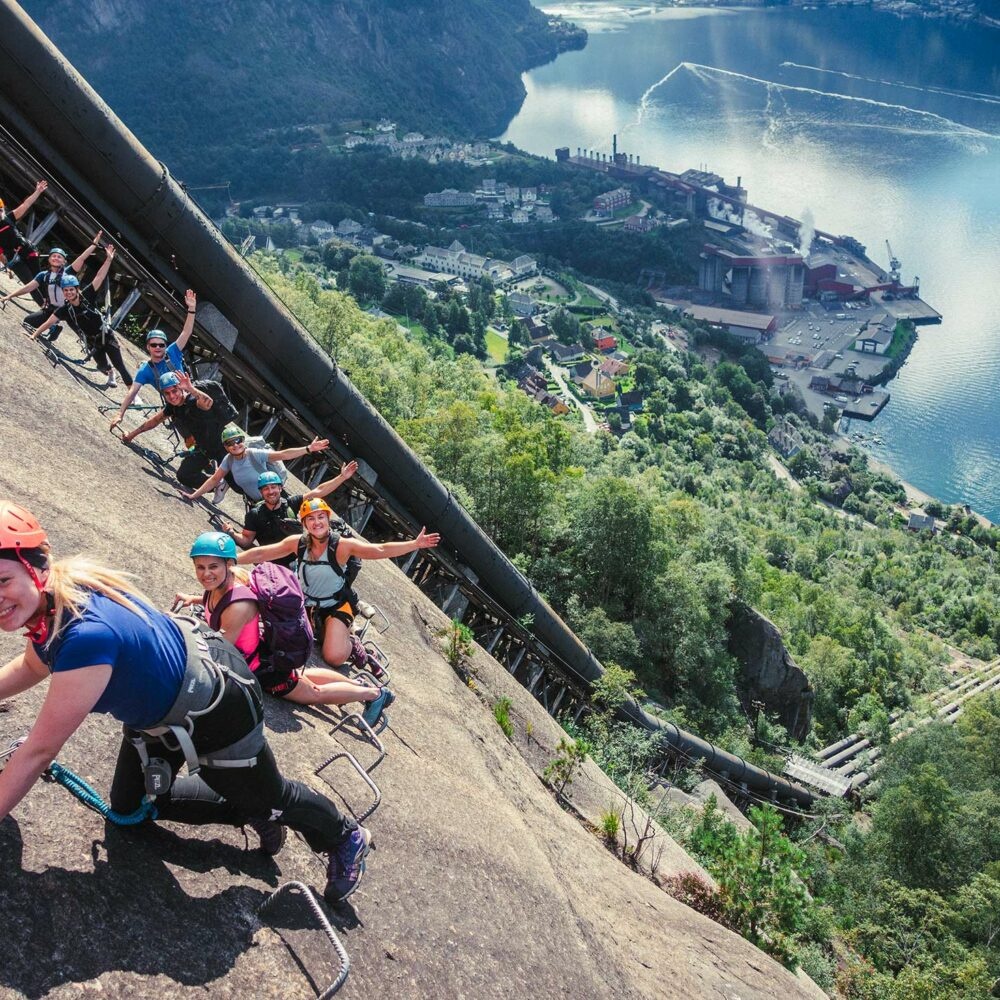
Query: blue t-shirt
149, 372
147, 658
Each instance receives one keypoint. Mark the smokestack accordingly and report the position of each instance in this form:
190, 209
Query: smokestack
614, 145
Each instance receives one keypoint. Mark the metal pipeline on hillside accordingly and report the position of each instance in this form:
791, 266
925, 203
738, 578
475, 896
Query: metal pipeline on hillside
90, 151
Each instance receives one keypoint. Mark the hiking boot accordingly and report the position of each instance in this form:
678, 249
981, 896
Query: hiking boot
365, 610
358, 655
112, 382
220, 491
272, 835
346, 865
374, 709
53, 335
375, 669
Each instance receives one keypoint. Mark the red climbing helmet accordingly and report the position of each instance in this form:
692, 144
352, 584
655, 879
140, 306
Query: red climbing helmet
19, 528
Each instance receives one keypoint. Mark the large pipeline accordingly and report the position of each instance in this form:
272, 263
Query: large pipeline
56, 113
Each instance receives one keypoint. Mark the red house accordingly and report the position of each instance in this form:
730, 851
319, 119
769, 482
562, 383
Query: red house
606, 343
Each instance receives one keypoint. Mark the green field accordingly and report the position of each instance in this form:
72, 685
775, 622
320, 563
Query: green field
496, 347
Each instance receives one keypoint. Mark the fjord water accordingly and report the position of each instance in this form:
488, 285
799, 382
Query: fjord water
881, 127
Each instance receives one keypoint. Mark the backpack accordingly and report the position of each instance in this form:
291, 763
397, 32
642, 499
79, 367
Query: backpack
286, 634
278, 467
349, 573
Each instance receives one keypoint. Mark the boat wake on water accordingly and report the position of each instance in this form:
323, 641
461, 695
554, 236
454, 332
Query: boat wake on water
964, 95
688, 87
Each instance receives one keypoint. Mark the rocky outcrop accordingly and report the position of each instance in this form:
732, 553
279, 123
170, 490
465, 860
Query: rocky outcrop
767, 671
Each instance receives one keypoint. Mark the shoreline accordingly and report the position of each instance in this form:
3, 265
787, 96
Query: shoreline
913, 493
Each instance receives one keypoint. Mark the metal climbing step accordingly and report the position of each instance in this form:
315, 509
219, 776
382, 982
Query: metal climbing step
324, 925
370, 736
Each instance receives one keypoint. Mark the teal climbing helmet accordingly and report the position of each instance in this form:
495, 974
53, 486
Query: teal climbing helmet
214, 543
156, 335
168, 380
268, 478
58, 250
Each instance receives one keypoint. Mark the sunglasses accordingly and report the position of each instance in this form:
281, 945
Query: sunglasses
235, 442
157, 346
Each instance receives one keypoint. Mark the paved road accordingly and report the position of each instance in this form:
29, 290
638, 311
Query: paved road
589, 423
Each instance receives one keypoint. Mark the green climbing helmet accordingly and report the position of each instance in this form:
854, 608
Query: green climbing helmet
231, 432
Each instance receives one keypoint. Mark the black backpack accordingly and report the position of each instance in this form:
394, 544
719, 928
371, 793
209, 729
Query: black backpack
350, 571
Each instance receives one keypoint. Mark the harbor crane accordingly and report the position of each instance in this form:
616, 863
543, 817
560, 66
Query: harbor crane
894, 264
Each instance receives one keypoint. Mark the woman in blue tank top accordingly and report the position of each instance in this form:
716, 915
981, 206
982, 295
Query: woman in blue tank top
185, 696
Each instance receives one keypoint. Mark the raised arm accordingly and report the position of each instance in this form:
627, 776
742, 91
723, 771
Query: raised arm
265, 553
324, 489
201, 399
77, 264
317, 444
387, 550
102, 271
21, 209
133, 391
147, 425
213, 480
191, 301
23, 290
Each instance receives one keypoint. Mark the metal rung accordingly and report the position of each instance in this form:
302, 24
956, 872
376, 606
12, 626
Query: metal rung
379, 614
367, 732
324, 925
373, 649
365, 776
372, 681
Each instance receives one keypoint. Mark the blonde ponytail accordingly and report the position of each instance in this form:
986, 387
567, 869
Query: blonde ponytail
70, 580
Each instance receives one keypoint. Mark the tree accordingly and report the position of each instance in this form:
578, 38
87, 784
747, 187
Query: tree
366, 278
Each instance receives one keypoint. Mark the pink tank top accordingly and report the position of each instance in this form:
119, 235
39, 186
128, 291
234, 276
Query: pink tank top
248, 641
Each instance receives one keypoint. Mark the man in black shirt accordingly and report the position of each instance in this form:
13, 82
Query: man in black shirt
81, 312
19, 256
199, 411
277, 515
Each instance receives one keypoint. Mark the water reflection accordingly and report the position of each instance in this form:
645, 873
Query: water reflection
881, 127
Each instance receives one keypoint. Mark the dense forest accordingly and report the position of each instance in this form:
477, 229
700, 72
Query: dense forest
644, 543
226, 74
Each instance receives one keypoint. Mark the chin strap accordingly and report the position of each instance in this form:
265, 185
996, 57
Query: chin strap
39, 632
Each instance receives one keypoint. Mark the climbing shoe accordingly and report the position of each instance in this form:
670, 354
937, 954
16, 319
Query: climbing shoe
347, 865
220, 491
53, 335
112, 382
374, 709
272, 835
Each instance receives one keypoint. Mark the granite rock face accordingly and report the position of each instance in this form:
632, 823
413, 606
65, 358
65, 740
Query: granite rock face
482, 885
767, 671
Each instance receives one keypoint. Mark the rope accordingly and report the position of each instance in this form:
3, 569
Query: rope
78, 787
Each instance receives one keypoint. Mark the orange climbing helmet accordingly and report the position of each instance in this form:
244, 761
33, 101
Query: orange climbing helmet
314, 507
19, 528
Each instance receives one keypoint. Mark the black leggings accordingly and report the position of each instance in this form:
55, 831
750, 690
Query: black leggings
109, 349
230, 796
36, 319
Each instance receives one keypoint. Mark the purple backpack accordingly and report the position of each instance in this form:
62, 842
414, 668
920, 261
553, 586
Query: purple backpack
287, 636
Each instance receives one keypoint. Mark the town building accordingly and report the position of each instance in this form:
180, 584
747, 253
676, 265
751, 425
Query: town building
455, 259
772, 281
449, 198
921, 522
598, 385
785, 439
521, 305
614, 368
751, 328
605, 342
632, 400
608, 203
564, 354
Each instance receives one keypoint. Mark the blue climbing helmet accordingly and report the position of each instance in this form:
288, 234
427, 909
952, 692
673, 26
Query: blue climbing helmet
69, 281
214, 543
268, 478
156, 335
58, 250
168, 380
